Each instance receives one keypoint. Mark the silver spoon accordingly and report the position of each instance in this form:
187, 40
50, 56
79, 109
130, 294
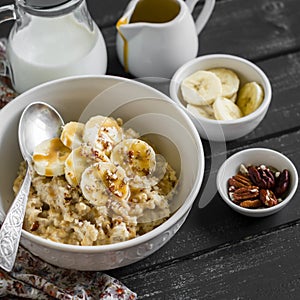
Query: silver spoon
39, 121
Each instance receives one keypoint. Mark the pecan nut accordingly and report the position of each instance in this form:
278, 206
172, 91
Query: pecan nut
282, 183
245, 193
267, 197
35, 226
238, 181
262, 176
251, 203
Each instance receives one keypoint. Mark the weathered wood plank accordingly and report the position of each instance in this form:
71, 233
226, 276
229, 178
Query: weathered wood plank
259, 267
254, 29
106, 12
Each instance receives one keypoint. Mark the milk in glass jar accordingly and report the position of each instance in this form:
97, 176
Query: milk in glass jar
51, 39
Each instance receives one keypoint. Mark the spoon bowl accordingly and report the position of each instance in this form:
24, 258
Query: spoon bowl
39, 121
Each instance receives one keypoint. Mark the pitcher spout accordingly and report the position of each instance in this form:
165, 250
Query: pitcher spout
127, 30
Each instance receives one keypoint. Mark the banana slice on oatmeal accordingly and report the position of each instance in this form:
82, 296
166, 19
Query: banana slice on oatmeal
71, 134
78, 160
102, 133
102, 182
49, 157
142, 165
135, 156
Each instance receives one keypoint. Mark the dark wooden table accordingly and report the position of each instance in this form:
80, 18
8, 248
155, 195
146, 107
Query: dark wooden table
218, 253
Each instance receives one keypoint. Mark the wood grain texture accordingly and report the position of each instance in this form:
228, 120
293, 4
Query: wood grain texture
253, 29
256, 267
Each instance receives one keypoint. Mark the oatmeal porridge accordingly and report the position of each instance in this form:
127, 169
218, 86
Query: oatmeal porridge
97, 184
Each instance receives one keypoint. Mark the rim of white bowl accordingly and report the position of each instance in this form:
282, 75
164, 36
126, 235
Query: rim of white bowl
290, 166
184, 208
176, 80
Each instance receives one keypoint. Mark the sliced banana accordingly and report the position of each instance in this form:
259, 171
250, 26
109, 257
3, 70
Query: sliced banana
250, 97
205, 111
103, 182
71, 135
78, 160
233, 97
102, 133
49, 157
225, 109
145, 182
229, 79
201, 88
135, 156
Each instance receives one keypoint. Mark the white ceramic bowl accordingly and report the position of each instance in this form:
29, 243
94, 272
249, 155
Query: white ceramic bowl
247, 71
146, 110
256, 156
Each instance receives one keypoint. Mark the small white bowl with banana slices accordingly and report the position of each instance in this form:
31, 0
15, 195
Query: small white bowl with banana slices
226, 96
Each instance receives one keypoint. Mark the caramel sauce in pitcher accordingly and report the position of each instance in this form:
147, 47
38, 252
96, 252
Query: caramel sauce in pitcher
155, 11
149, 11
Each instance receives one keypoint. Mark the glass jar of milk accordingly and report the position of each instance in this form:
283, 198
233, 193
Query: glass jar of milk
52, 39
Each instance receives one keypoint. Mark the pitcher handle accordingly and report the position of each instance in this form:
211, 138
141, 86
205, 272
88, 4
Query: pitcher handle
204, 14
7, 12
4, 64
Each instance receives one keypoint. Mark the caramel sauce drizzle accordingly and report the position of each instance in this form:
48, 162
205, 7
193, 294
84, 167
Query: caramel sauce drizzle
57, 150
121, 22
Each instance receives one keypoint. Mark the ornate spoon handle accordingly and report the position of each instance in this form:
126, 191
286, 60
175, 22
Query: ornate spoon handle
10, 231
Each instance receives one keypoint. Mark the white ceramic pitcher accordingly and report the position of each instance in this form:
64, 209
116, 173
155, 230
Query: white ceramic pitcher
158, 49
51, 39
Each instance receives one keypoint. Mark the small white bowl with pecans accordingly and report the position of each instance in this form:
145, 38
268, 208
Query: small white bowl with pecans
257, 182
